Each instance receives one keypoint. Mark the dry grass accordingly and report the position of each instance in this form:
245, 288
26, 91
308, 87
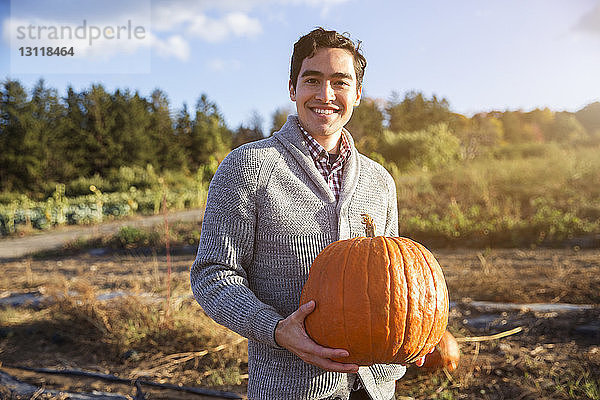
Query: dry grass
132, 336
523, 276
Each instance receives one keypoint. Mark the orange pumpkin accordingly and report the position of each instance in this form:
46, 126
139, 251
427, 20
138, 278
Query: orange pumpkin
384, 299
446, 354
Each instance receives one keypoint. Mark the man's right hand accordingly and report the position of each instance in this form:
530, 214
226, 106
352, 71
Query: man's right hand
291, 334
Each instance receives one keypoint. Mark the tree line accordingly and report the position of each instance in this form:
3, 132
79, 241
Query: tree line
47, 139
416, 131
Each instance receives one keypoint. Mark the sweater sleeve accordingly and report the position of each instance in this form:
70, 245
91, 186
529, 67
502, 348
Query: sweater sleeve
391, 223
219, 277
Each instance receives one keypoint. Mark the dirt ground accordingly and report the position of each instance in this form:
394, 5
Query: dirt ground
555, 356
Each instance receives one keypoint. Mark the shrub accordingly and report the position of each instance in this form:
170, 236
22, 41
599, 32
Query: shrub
428, 149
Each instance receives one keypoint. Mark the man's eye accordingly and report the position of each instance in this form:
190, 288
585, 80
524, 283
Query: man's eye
342, 83
311, 80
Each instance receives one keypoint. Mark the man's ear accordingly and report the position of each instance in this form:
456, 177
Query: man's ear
358, 96
292, 91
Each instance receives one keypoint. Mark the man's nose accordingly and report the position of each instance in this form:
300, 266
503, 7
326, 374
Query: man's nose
326, 92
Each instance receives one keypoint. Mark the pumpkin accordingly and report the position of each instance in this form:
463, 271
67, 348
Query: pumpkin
446, 354
383, 299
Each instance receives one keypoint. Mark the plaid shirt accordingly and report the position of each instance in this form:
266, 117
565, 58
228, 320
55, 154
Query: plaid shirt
330, 166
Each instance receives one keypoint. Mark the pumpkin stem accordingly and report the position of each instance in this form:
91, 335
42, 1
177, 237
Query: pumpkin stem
369, 225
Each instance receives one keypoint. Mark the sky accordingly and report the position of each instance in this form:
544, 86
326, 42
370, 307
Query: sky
479, 55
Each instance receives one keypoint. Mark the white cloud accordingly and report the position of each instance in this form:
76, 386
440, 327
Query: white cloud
216, 30
174, 45
181, 15
192, 18
6, 28
590, 22
173, 24
241, 25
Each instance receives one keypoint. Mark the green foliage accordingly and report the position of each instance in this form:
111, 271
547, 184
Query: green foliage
16, 142
496, 178
428, 149
589, 117
95, 135
279, 118
97, 205
478, 135
541, 200
246, 133
133, 237
565, 129
524, 151
415, 112
209, 136
366, 125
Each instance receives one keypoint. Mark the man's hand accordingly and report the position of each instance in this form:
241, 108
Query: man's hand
291, 334
421, 360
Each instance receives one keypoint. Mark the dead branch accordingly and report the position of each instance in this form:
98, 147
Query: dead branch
172, 360
113, 378
490, 337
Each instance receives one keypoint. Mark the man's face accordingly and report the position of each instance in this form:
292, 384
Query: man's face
326, 91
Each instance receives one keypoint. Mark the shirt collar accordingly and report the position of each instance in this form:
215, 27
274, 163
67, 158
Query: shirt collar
318, 152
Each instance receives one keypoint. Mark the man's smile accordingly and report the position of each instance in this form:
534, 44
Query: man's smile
325, 111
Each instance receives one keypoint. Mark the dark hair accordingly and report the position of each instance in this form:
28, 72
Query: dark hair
319, 38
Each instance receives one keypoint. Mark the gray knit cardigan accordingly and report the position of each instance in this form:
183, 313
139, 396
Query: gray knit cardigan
269, 213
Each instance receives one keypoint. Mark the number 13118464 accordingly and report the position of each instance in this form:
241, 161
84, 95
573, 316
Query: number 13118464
46, 51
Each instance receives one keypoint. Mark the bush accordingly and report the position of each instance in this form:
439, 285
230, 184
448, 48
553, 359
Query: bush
525, 150
94, 207
429, 149
129, 237
544, 200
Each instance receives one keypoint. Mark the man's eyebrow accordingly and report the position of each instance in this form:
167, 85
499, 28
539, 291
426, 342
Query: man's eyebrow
342, 75
312, 72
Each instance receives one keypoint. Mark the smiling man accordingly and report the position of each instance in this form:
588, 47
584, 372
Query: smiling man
272, 206
325, 90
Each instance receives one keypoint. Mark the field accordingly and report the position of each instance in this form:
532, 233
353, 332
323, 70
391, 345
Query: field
108, 313
509, 201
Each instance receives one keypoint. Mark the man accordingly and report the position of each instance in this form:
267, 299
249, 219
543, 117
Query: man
272, 206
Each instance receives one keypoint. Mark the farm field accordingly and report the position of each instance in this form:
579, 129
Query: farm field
101, 197
108, 314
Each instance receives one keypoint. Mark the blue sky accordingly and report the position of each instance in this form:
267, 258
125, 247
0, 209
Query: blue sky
480, 55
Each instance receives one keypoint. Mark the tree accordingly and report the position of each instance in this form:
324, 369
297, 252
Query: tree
17, 164
130, 131
518, 130
45, 130
169, 152
366, 125
540, 121
428, 149
209, 138
481, 132
589, 117
100, 147
416, 112
565, 128
74, 138
279, 118
249, 133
